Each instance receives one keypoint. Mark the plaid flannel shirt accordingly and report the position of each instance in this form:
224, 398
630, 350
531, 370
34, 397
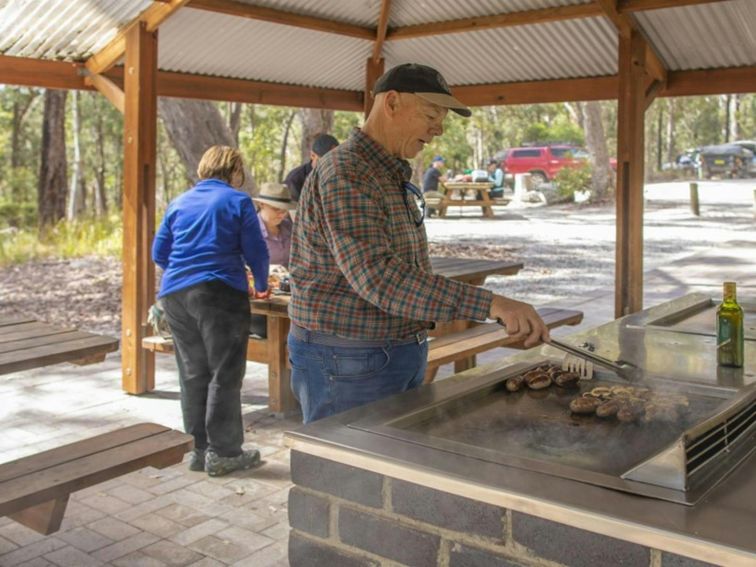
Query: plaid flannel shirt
359, 264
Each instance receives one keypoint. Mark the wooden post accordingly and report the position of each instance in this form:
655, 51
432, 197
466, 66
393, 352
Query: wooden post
140, 131
630, 123
694, 208
373, 70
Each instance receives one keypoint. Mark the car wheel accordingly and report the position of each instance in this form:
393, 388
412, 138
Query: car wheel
538, 178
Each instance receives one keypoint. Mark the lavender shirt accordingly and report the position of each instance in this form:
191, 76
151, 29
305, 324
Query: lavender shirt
280, 245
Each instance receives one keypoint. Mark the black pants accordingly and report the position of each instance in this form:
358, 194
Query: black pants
210, 327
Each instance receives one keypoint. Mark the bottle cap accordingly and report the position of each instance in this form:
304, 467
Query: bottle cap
728, 288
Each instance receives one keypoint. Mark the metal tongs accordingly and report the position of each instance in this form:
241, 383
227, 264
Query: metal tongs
623, 369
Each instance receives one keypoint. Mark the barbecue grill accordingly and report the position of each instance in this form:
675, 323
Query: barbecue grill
677, 461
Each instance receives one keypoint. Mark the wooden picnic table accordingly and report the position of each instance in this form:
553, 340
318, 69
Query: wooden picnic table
27, 343
481, 197
281, 399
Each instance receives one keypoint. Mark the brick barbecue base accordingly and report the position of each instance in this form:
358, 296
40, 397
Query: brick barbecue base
343, 516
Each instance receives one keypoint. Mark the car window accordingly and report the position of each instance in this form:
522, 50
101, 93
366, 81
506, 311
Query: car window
563, 152
526, 153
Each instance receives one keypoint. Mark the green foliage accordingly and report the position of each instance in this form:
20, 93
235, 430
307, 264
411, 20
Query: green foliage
571, 179
560, 129
261, 138
344, 122
17, 214
88, 236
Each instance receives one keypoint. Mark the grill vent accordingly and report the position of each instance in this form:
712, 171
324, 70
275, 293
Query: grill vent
720, 439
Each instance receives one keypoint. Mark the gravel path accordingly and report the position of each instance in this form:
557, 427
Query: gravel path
566, 251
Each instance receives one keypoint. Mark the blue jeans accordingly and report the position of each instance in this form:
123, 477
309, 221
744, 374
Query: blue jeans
327, 380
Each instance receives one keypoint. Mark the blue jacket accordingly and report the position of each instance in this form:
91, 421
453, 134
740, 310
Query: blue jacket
208, 233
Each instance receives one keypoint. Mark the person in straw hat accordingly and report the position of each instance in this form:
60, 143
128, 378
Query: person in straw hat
363, 290
274, 204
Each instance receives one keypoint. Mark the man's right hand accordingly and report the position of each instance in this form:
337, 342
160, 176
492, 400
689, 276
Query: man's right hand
520, 319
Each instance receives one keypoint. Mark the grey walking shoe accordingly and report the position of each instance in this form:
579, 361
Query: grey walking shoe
197, 460
218, 466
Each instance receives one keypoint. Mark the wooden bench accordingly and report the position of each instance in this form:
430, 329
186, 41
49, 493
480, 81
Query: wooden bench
461, 347
34, 490
27, 343
257, 349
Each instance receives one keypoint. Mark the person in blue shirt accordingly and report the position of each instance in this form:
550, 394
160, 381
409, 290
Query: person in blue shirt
496, 177
202, 244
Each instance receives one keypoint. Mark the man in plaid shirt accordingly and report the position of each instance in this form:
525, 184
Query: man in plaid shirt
363, 293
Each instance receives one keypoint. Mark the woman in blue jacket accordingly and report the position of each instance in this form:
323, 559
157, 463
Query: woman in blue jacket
207, 235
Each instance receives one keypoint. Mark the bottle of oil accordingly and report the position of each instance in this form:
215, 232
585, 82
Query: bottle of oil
730, 329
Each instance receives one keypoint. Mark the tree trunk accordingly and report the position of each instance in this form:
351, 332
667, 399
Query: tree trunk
234, 120
53, 178
193, 126
671, 134
75, 193
285, 143
20, 109
734, 114
314, 121
100, 196
728, 119
659, 137
603, 178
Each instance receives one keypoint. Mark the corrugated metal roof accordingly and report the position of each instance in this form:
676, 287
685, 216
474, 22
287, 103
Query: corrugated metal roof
202, 42
62, 29
573, 48
703, 36
721, 34
412, 12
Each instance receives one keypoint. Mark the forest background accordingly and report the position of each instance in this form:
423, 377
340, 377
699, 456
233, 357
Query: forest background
61, 154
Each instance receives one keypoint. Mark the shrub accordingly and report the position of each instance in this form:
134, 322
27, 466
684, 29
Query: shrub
571, 179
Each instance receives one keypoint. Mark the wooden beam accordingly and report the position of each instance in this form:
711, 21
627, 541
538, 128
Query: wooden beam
61, 75
108, 89
140, 142
626, 6
380, 34
373, 70
509, 19
625, 24
152, 17
711, 82
231, 8
533, 92
27, 72
630, 155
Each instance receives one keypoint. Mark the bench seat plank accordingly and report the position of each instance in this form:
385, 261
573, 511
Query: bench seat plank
257, 349
67, 351
34, 490
37, 340
15, 320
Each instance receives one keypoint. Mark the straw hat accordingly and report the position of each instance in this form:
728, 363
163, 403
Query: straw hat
276, 195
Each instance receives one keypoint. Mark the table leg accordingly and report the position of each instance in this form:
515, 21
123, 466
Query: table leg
487, 210
281, 399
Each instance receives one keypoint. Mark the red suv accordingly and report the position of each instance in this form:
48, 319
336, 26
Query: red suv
542, 162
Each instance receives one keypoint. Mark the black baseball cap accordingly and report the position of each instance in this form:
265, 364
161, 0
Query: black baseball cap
324, 143
422, 81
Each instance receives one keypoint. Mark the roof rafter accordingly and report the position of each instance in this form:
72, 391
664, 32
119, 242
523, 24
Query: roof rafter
625, 24
232, 8
380, 35
510, 19
153, 16
625, 6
